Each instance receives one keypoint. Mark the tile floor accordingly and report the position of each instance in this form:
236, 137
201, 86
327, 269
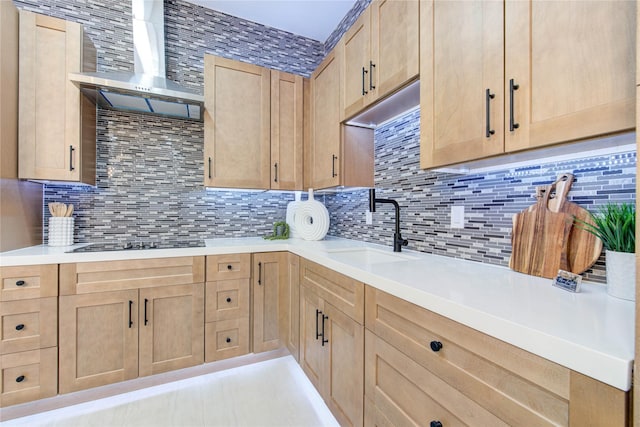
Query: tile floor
271, 393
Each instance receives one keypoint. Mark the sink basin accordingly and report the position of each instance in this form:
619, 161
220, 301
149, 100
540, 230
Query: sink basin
368, 255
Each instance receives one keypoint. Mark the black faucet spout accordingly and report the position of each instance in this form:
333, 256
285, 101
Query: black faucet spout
398, 241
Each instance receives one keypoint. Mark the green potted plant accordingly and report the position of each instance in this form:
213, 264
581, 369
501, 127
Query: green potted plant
615, 225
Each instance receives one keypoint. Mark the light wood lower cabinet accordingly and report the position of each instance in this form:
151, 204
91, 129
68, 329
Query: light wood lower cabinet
423, 367
227, 306
332, 349
289, 316
28, 333
171, 334
269, 271
98, 339
140, 329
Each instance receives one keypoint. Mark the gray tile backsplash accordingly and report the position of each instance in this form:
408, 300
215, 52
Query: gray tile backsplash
150, 169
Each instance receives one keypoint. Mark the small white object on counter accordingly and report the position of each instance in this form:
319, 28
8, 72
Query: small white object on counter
60, 231
311, 219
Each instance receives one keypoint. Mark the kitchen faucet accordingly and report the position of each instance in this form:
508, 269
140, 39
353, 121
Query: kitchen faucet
398, 241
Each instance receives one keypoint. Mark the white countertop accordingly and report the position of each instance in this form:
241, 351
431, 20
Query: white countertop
589, 332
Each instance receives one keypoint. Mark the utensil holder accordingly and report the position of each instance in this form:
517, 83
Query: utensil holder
60, 231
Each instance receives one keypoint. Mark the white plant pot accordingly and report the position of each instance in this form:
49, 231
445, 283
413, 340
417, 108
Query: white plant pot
621, 275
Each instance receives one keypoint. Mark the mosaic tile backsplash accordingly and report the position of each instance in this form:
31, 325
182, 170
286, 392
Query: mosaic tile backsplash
490, 199
149, 177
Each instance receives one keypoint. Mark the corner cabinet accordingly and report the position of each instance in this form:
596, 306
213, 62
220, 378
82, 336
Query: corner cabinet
380, 53
501, 77
339, 155
253, 126
118, 323
332, 339
57, 124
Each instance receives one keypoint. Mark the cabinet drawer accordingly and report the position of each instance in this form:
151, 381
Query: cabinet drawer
227, 299
106, 276
226, 338
518, 387
28, 375
230, 266
409, 395
27, 282
28, 324
341, 291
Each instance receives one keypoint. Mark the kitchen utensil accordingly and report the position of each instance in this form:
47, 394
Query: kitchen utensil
583, 248
539, 238
69, 210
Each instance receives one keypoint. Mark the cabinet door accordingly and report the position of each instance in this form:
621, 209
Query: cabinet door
343, 387
573, 82
394, 43
171, 322
269, 270
55, 120
286, 131
325, 122
236, 124
356, 54
98, 339
461, 58
311, 350
289, 295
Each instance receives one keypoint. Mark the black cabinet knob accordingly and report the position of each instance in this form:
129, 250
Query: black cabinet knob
19, 327
20, 283
228, 339
435, 424
228, 299
229, 267
20, 379
436, 345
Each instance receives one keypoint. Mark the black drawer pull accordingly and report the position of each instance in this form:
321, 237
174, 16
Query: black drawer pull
489, 97
71, 150
130, 318
435, 424
317, 323
20, 379
229, 267
259, 273
146, 320
228, 339
512, 121
20, 283
436, 345
19, 327
228, 299
324, 340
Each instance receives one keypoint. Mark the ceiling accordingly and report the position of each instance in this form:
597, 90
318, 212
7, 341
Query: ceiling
315, 19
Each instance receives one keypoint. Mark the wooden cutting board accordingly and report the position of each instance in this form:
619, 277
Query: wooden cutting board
539, 239
583, 248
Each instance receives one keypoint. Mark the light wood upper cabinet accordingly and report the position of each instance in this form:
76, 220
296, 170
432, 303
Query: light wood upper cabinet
379, 54
356, 55
236, 124
253, 126
325, 123
562, 81
57, 124
461, 80
286, 131
338, 154
573, 82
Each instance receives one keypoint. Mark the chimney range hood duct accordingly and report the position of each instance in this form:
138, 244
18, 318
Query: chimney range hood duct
147, 90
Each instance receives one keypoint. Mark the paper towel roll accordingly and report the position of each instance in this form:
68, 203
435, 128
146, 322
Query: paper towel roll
312, 219
292, 207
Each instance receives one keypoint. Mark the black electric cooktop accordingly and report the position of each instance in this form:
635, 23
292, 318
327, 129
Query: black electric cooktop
129, 246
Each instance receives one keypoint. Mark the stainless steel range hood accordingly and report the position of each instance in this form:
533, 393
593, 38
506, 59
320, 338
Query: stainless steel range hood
147, 90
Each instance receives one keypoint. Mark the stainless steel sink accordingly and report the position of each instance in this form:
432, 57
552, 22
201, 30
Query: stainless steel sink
368, 255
